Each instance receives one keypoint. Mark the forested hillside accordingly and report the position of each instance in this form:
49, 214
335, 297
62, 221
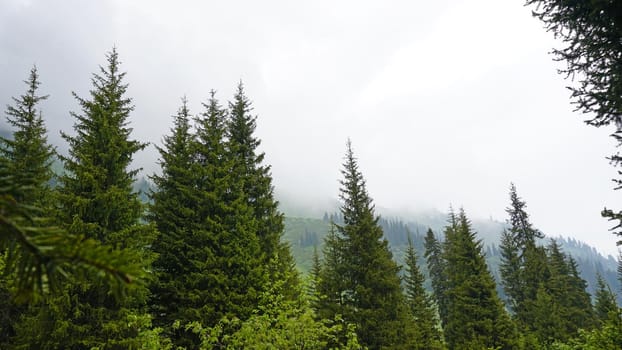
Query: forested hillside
201, 256
306, 233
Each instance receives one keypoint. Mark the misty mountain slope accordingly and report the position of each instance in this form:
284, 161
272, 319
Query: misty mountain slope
305, 233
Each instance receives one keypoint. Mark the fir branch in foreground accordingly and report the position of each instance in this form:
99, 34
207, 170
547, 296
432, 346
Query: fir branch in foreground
40, 257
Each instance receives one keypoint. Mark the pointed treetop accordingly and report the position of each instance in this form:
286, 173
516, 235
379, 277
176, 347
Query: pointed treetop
241, 129
100, 155
353, 192
520, 226
28, 153
26, 104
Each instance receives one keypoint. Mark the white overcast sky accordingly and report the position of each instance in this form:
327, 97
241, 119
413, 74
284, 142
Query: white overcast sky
446, 102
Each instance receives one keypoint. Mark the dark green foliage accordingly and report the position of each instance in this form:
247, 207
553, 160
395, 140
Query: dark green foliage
250, 170
475, 314
277, 323
28, 154
40, 259
510, 271
26, 158
561, 306
607, 337
521, 229
427, 332
42, 256
543, 286
436, 268
569, 290
592, 34
534, 274
257, 181
228, 252
96, 201
329, 302
37, 256
523, 265
314, 274
605, 300
330, 284
174, 213
210, 262
579, 301
359, 279
97, 187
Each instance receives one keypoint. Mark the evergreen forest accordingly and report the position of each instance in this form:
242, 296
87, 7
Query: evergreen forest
203, 256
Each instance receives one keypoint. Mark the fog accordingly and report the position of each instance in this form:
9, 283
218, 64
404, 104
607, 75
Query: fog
445, 102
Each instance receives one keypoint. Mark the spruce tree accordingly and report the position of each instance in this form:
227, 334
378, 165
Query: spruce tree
523, 265
250, 170
535, 267
28, 154
436, 269
173, 211
523, 232
230, 267
476, 317
97, 202
359, 278
579, 301
605, 300
571, 303
211, 265
26, 162
314, 273
422, 308
510, 270
330, 284
561, 305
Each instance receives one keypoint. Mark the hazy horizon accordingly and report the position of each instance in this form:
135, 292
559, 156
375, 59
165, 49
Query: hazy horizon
446, 103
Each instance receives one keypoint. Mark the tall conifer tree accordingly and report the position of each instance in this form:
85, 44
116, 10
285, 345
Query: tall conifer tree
28, 153
605, 300
359, 277
330, 284
254, 175
571, 305
511, 271
561, 305
314, 273
523, 264
211, 264
476, 317
173, 211
228, 254
27, 159
427, 332
436, 269
96, 201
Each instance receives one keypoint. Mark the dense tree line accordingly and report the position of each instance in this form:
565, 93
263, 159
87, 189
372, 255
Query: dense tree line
203, 265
